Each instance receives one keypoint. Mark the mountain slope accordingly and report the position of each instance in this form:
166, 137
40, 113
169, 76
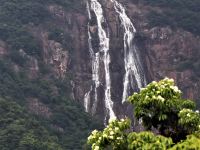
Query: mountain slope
37, 106
46, 69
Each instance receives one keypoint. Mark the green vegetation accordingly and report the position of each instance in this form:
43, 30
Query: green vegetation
60, 36
21, 132
65, 125
176, 13
159, 107
66, 128
16, 17
193, 64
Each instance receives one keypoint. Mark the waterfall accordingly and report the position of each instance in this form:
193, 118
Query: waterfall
133, 67
133, 77
96, 7
95, 72
87, 100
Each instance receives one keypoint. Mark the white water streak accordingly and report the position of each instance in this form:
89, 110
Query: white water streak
133, 67
87, 100
103, 47
95, 71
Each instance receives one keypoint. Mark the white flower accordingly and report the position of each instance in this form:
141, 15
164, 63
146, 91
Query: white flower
162, 86
157, 92
122, 120
154, 82
96, 148
111, 137
94, 132
161, 98
105, 135
111, 133
185, 110
116, 129
119, 138
112, 120
188, 115
197, 111
89, 138
175, 89
166, 79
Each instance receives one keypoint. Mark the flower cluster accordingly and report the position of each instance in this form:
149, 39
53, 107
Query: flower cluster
189, 118
160, 91
113, 135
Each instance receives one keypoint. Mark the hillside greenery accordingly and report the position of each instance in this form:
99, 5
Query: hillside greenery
21, 128
16, 16
160, 108
16, 92
176, 13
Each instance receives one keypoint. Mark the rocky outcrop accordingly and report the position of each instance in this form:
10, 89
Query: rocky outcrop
166, 49
38, 108
75, 25
55, 55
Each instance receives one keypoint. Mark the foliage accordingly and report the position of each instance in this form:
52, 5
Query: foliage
191, 143
160, 107
117, 137
113, 135
17, 128
56, 35
60, 36
67, 122
18, 17
68, 125
176, 13
189, 120
148, 140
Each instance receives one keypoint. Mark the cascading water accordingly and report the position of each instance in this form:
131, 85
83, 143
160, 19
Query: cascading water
96, 7
95, 71
87, 100
133, 77
133, 67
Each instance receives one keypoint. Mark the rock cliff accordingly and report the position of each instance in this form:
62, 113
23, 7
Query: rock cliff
163, 51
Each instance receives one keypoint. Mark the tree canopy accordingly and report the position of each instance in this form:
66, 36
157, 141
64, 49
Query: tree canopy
160, 107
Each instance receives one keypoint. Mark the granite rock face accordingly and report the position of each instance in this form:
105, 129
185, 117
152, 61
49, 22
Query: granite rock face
162, 50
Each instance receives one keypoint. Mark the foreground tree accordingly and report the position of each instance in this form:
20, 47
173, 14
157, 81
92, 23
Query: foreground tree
161, 108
